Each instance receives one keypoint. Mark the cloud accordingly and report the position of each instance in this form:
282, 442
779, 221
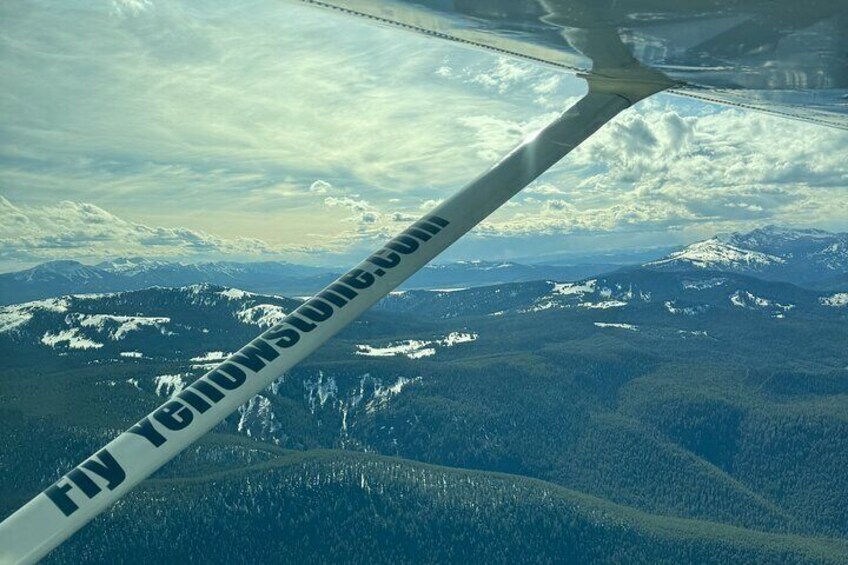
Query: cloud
131, 7
428, 205
353, 204
250, 130
655, 168
554, 205
256, 89
84, 231
544, 189
368, 219
401, 217
320, 187
506, 73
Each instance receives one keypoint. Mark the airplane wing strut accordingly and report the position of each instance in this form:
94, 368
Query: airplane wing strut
88, 489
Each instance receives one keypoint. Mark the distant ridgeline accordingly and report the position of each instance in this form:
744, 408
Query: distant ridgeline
810, 258
694, 409
57, 278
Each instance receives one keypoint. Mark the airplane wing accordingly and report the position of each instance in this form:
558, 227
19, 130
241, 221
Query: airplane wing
780, 56
783, 57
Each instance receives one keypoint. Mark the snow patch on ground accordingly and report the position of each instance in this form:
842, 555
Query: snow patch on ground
569, 295
836, 301
235, 294
169, 385
744, 299
16, 315
670, 305
210, 356
603, 305
71, 338
568, 289
698, 333
257, 419
319, 391
415, 348
119, 326
94, 295
262, 315
12, 318
704, 284
49, 304
412, 348
382, 394
547, 305
209, 360
455, 338
617, 325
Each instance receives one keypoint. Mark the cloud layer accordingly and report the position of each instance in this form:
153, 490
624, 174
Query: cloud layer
75, 230
251, 129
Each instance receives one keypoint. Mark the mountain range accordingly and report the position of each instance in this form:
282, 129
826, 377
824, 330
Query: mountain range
658, 413
812, 258
548, 380
162, 322
56, 278
807, 257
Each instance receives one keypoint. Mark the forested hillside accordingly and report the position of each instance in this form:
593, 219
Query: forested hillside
639, 417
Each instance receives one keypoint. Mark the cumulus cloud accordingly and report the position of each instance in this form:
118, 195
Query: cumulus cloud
353, 204
655, 169
554, 205
232, 118
79, 230
544, 189
368, 220
428, 205
402, 217
506, 73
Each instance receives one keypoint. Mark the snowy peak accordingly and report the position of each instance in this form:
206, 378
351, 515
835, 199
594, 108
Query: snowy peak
714, 254
808, 257
59, 271
166, 319
131, 265
774, 235
58, 278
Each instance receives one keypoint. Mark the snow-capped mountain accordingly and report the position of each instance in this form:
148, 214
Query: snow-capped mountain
61, 271
151, 343
633, 293
131, 265
715, 254
809, 257
57, 278
460, 274
155, 322
188, 323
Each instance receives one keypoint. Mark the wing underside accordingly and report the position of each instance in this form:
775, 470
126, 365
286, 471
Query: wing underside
781, 57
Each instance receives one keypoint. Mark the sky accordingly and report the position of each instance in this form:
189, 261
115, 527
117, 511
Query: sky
201, 131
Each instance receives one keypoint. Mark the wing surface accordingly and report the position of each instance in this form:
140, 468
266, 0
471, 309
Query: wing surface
779, 56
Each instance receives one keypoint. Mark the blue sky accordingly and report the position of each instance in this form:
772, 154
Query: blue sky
198, 131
